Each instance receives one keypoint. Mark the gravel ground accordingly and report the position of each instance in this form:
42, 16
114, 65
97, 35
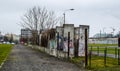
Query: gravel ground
23, 58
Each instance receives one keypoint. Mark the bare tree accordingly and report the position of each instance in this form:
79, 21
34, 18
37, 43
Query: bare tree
37, 19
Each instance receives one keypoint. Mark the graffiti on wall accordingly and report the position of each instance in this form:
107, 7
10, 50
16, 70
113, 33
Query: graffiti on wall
60, 38
82, 39
65, 49
71, 47
63, 44
52, 44
81, 43
69, 28
77, 39
60, 46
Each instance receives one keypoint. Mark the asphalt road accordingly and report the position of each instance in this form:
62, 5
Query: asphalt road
23, 58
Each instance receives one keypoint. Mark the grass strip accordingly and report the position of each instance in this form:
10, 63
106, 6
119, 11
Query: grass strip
4, 51
97, 63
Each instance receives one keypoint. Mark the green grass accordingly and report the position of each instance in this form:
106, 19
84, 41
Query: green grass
97, 63
101, 50
102, 45
4, 51
110, 48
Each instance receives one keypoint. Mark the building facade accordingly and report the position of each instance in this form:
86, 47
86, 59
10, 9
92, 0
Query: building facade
26, 35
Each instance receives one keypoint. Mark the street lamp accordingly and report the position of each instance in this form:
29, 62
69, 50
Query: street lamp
104, 31
65, 11
112, 30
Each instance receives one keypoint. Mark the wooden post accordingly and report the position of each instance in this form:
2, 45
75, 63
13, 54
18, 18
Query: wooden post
68, 44
86, 46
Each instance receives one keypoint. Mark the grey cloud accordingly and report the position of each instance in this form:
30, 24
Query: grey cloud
92, 12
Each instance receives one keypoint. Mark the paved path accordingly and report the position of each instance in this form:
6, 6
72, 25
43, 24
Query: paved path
25, 59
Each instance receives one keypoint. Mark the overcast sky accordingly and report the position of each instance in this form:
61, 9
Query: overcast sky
99, 14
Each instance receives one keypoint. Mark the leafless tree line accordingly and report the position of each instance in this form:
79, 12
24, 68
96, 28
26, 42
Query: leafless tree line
37, 19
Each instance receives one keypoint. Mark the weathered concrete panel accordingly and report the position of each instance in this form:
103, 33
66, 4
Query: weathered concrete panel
69, 28
77, 39
82, 39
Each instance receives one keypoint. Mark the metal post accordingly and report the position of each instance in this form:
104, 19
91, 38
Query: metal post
118, 56
64, 13
90, 53
98, 50
86, 46
64, 17
105, 51
91, 49
68, 44
100, 33
115, 52
118, 41
119, 34
57, 42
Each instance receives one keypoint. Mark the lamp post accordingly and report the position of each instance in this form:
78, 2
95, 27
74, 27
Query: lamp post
65, 11
112, 30
104, 31
100, 33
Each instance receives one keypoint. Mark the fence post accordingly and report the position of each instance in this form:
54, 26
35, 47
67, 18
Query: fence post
57, 42
115, 52
86, 46
119, 41
98, 50
90, 54
68, 44
118, 56
91, 49
105, 51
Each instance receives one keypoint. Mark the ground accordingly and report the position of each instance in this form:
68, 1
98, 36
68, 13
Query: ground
24, 58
